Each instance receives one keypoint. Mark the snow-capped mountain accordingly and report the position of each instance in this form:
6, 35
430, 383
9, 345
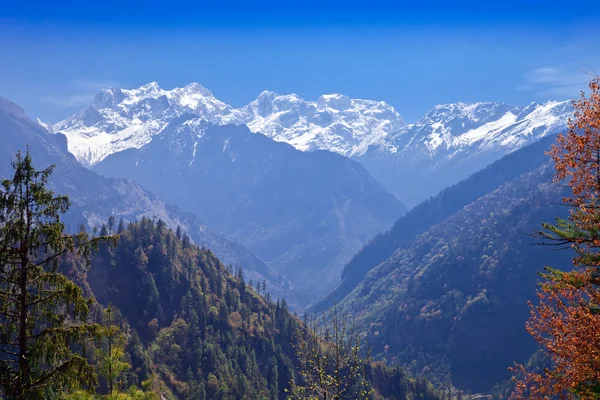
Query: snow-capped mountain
452, 141
334, 122
413, 161
95, 198
451, 128
120, 119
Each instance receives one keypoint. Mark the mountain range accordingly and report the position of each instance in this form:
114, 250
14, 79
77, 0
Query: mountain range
412, 161
453, 141
118, 119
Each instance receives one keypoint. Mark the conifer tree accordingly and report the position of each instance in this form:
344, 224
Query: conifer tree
112, 353
42, 312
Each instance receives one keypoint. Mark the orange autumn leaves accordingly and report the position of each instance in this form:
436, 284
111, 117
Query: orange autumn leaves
566, 322
577, 161
567, 327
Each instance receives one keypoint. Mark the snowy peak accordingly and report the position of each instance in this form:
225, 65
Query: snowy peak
195, 88
459, 117
148, 90
334, 122
276, 103
198, 100
108, 98
335, 101
551, 109
119, 119
450, 130
263, 105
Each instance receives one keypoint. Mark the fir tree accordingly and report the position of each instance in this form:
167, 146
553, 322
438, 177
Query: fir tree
112, 354
42, 312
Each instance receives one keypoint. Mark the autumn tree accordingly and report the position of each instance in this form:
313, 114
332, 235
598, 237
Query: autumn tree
332, 359
566, 322
43, 314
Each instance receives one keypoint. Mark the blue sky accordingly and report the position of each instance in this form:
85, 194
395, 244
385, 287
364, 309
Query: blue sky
57, 55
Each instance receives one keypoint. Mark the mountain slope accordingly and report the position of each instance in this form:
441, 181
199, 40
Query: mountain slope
453, 302
435, 210
303, 213
95, 198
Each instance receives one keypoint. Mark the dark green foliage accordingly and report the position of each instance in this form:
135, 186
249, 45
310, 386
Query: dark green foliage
197, 326
202, 328
394, 383
43, 314
452, 303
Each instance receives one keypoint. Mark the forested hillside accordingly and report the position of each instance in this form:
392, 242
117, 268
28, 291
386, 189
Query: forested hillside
199, 328
194, 324
435, 210
453, 302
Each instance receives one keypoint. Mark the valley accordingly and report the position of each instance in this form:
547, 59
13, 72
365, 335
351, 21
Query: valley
282, 212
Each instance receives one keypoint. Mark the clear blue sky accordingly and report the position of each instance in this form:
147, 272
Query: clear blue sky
56, 55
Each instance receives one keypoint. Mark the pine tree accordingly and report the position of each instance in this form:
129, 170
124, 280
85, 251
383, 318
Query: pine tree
112, 354
42, 312
111, 225
273, 378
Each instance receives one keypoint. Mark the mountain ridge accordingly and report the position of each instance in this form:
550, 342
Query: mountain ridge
453, 302
118, 119
413, 161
